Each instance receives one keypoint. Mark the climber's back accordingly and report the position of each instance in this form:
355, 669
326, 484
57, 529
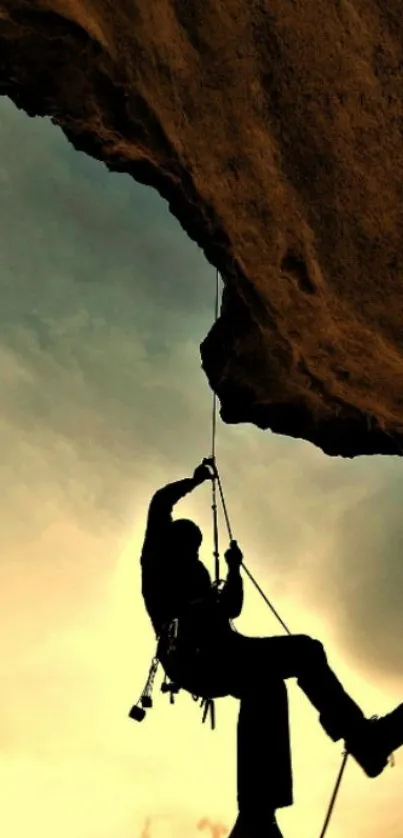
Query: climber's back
172, 573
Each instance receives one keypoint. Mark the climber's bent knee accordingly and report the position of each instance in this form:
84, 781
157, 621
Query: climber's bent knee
310, 654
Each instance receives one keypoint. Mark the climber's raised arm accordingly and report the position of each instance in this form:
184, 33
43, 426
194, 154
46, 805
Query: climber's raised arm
231, 596
164, 499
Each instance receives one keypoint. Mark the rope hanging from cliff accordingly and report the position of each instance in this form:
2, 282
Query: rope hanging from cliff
213, 460
216, 481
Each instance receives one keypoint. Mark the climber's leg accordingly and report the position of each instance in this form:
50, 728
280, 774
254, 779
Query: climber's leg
264, 659
370, 741
254, 828
264, 772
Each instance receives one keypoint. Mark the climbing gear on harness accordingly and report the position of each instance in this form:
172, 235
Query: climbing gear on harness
145, 701
170, 687
208, 706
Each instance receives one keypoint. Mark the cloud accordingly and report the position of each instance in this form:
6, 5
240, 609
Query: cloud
94, 344
365, 576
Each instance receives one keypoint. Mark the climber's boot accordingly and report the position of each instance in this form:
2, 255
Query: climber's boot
373, 742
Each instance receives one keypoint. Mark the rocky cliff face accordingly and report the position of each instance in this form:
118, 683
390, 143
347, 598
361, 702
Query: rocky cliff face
274, 129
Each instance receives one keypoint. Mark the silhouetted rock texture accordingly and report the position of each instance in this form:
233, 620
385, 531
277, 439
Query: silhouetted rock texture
274, 130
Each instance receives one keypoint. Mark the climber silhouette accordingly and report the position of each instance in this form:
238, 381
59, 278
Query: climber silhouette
202, 652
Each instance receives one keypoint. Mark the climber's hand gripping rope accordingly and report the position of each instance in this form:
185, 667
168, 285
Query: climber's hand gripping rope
233, 556
205, 471
210, 464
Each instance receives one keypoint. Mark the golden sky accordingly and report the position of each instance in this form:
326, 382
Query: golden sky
104, 305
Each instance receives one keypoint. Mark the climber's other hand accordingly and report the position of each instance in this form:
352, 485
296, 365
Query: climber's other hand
233, 556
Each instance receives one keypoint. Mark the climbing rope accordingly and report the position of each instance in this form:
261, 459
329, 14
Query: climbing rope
215, 474
334, 795
217, 479
216, 553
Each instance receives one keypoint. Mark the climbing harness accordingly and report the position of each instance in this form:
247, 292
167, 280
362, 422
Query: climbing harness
207, 704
